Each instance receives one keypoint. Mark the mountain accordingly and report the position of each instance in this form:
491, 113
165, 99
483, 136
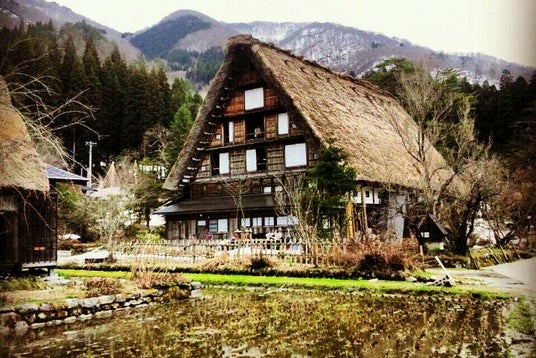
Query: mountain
185, 30
341, 48
190, 41
350, 50
13, 12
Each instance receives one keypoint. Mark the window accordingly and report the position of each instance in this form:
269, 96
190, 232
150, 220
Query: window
224, 163
201, 223
282, 221
255, 159
255, 127
229, 133
257, 222
220, 163
282, 123
245, 222
266, 189
251, 160
295, 155
254, 98
222, 225
219, 225
213, 225
269, 221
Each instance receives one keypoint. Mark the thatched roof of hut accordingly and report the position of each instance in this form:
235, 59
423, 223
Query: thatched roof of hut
368, 123
20, 166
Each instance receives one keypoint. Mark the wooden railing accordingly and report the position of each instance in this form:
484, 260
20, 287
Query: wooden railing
196, 252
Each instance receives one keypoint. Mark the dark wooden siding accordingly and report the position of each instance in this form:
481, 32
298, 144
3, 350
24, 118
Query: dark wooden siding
31, 240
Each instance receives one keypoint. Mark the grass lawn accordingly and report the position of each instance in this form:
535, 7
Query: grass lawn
380, 286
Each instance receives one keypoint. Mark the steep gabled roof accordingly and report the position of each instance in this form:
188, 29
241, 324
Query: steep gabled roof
20, 166
58, 174
369, 124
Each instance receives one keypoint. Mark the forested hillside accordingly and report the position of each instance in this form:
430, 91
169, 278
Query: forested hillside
500, 112
125, 109
160, 39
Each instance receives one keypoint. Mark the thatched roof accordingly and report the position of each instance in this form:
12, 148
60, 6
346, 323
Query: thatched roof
369, 124
20, 166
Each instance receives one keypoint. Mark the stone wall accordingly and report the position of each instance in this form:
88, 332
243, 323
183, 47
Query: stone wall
31, 315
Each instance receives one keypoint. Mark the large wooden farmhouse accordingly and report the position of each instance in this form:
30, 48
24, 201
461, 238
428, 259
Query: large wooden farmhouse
267, 115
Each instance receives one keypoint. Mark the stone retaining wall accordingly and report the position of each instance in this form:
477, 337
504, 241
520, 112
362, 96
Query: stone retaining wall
32, 316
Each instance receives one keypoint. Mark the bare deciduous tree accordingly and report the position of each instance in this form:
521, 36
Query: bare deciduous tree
456, 192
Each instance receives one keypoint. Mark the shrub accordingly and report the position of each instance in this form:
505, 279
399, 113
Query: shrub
225, 262
146, 236
5, 300
262, 262
149, 277
378, 256
98, 286
21, 283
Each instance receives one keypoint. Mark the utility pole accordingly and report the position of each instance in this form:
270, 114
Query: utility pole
90, 144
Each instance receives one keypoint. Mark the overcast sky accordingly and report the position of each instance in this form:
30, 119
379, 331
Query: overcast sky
502, 28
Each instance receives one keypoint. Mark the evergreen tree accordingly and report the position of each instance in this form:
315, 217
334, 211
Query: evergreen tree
91, 65
331, 179
74, 84
111, 113
137, 117
179, 129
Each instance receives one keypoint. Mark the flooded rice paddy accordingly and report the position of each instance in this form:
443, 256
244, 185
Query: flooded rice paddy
281, 323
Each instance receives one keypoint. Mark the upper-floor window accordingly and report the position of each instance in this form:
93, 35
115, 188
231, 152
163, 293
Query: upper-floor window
224, 163
255, 126
282, 123
295, 155
254, 98
220, 163
229, 132
255, 159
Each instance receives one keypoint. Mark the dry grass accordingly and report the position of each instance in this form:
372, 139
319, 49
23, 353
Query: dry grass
225, 262
98, 286
378, 256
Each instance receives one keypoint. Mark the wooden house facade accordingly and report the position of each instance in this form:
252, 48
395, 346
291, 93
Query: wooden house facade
28, 214
265, 118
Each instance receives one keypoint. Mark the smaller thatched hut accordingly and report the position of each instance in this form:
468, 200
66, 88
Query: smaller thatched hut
28, 216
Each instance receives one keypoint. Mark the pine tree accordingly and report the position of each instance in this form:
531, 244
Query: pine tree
91, 65
74, 83
179, 129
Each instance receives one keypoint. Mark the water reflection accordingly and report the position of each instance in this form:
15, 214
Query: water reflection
232, 323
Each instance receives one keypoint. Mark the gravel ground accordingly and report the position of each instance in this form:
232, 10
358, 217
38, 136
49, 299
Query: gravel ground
516, 277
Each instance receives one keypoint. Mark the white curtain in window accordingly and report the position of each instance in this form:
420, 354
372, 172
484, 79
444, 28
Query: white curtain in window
224, 163
254, 98
282, 123
222, 225
245, 222
231, 131
251, 160
295, 155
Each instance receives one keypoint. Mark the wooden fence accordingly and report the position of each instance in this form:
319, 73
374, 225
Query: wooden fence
198, 252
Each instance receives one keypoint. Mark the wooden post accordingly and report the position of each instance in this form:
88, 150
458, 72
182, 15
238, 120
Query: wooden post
447, 274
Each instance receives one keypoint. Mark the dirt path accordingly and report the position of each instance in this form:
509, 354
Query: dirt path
515, 277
